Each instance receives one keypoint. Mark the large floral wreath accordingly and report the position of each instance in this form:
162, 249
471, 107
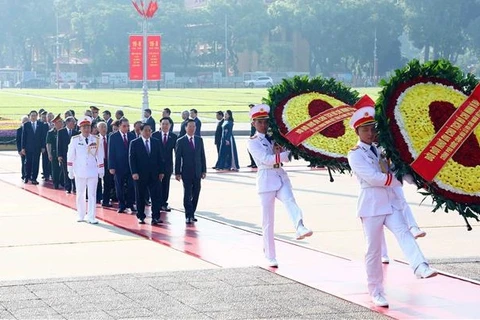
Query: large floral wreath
413, 105
297, 100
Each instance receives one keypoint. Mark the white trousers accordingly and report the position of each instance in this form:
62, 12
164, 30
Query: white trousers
409, 220
373, 229
84, 184
285, 195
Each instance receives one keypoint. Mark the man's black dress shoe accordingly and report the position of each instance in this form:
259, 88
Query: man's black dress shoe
166, 209
121, 210
106, 205
194, 219
141, 221
156, 222
34, 182
188, 221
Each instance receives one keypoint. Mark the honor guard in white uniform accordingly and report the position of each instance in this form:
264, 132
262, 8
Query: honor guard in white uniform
379, 205
85, 165
272, 182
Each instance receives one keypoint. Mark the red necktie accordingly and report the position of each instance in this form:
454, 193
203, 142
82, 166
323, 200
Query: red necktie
191, 143
164, 139
125, 141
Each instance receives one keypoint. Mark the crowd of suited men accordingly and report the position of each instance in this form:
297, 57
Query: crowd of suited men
42, 135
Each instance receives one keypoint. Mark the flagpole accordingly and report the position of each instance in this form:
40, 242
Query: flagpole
146, 12
145, 84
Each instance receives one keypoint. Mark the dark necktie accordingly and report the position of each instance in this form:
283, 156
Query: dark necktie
374, 150
191, 143
105, 146
269, 138
34, 126
86, 141
69, 133
164, 139
125, 141
147, 147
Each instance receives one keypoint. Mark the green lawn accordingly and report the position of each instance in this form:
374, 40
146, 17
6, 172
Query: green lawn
16, 102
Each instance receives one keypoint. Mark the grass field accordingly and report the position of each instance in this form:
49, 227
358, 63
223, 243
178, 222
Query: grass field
16, 102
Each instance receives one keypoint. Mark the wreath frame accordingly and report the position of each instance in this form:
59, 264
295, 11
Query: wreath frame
279, 94
441, 71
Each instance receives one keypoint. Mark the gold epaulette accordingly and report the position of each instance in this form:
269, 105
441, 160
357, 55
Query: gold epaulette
355, 148
75, 136
254, 137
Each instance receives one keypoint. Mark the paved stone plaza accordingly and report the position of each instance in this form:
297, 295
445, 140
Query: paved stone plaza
53, 267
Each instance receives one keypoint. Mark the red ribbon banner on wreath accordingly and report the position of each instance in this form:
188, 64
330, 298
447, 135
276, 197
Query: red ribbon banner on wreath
449, 138
319, 123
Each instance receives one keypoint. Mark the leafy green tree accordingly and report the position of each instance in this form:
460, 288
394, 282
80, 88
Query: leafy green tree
438, 26
247, 24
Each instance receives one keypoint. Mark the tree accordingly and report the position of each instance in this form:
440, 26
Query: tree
247, 24
26, 26
438, 26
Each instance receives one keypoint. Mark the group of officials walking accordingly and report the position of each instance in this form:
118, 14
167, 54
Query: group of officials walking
132, 167
140, 162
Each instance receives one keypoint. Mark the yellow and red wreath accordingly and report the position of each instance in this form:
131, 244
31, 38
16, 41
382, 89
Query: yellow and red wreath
299, 101
413, 107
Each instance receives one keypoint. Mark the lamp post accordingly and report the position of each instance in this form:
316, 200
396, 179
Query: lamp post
57, 49
226, 47
375, 58
146, 11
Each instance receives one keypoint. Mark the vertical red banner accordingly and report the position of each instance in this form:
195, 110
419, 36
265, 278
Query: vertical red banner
154, 61
136, 57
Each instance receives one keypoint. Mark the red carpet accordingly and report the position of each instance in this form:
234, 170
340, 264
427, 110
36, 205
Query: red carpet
441, 297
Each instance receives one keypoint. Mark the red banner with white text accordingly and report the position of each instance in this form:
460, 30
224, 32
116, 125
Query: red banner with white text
154, 61
136, 58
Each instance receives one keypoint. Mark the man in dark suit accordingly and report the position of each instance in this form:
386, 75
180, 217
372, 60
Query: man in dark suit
51, 143
147, 167
19, 145
167, 144
63, 140
118, 145
33, 144
166, 114
191, 167
185, 115
46, 164
219, 130
137, 132
149, 119
107, 117
107, 180
198, 123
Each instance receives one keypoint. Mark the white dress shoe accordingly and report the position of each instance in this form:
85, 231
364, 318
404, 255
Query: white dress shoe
93, 221
272, 263
417, 233
380, 301
424, 271
303, 232
385, 260
80, 219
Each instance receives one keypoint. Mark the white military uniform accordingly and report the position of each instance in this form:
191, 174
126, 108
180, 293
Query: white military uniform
379, 205
85, 164
273, 182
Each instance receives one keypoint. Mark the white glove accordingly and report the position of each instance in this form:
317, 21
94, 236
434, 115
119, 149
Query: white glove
409, 178
101, 175
71, 176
